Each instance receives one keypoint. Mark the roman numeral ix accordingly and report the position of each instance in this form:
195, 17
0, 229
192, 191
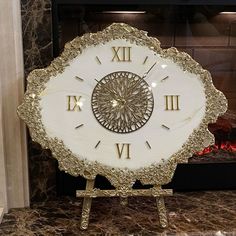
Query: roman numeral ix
74, 103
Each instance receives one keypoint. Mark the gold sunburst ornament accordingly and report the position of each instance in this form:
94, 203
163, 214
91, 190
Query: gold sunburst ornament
116, 104
122, 102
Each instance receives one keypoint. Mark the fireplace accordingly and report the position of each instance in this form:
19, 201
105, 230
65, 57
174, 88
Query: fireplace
224, 149
207, 33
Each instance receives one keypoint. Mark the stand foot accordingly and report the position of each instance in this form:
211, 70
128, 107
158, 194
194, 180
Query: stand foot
162, 212
86, 206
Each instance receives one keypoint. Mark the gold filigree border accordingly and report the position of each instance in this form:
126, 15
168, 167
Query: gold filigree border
122, 179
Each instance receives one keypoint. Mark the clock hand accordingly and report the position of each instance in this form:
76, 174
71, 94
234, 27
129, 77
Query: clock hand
146, 73
137, 82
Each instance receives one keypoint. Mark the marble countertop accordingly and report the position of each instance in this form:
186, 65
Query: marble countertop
190, 213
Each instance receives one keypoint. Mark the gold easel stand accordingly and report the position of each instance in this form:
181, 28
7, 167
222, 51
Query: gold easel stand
91, 192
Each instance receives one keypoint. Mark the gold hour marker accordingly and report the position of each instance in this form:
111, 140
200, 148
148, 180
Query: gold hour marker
98, 60
79, 126
145, 60
148, 144
78, 78
172, 102
121, 54
123, 150
165, 78
74, 103
97, 144
165, 127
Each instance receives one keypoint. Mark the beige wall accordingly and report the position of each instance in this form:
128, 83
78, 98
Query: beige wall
13, 153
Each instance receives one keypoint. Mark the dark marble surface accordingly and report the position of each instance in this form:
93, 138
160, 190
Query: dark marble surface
37, 33
42, 173
191, 213
37, 44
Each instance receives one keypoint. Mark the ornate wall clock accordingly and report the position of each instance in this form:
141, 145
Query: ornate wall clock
116, 104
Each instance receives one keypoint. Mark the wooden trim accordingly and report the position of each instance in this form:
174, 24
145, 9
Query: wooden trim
3, 183
1, 214
11, 92
147, 2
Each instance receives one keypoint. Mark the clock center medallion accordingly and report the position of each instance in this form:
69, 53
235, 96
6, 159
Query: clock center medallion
122, 102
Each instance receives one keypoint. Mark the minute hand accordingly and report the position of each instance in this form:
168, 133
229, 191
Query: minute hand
146, 73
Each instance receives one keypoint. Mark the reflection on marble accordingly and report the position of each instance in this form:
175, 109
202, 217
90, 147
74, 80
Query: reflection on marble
192, 213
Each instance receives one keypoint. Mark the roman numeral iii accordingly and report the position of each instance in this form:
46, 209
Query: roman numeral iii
172, 102
121, 54
74, 103
123, 150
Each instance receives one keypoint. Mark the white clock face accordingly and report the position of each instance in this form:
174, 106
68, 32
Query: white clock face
122, 105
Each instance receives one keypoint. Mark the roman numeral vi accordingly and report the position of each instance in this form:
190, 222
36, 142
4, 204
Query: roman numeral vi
123, 150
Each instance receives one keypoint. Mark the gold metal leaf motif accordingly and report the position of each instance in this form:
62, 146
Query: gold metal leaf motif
122, 102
